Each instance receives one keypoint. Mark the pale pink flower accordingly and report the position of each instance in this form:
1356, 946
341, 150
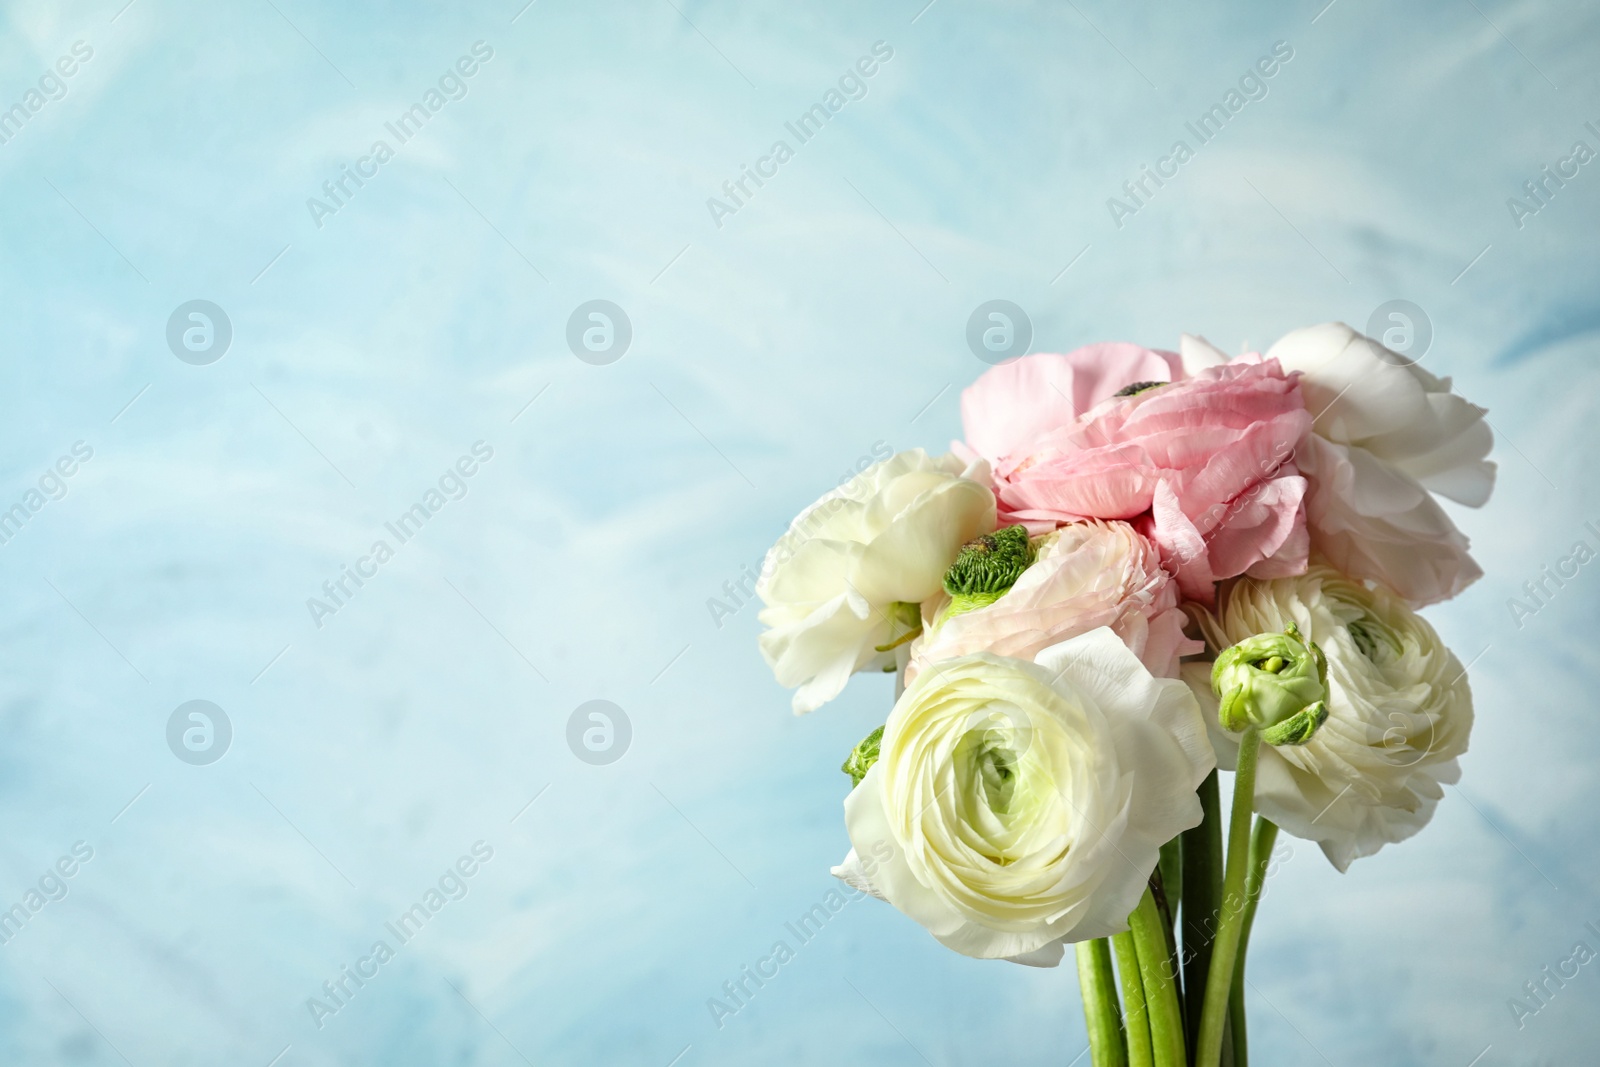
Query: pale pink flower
1016, 403
1086, 575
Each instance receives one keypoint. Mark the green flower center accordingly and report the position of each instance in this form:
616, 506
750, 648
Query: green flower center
1376, 641
1003, 790
986, 567
993, 768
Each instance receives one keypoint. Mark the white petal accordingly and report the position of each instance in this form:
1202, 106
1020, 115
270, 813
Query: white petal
871, 832
1197, 675
1363, 394
885, 535
819, 652
1159, 715
1198, 354
1371, 521
1047, 955
853, 874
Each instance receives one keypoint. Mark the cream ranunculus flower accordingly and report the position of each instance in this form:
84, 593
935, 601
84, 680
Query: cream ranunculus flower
1399, 711
1017, 806
1084, 575
847, 577
1387, 434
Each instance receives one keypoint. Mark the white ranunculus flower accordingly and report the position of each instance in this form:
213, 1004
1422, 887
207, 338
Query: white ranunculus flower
1399, 711
1017, 806
847, 576
1387, 435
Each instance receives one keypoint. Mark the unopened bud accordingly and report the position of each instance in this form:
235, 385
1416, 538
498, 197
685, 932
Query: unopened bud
1276, 682
862, 757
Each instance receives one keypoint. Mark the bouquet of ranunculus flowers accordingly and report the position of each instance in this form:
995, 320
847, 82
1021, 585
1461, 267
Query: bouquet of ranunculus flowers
1141, 566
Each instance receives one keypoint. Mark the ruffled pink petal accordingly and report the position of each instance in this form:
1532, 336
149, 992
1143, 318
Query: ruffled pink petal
1183, 547
1090, 575
1265, 531
1011, 406
1202, 465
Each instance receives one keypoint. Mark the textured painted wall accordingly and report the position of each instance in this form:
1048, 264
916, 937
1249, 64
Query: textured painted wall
394, 312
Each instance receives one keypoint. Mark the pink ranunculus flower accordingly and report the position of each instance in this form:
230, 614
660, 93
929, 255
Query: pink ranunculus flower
1086, 575
1016, 403
1203, 466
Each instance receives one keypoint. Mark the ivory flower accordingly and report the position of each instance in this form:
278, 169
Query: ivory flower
845, 580
1399, 711
1025, 804
1387, 434
1084, 575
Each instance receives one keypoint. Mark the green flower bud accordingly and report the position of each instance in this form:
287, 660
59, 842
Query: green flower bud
1275, 682
862, 757
986, 568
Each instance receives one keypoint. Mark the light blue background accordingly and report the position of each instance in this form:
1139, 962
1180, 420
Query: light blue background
769, 355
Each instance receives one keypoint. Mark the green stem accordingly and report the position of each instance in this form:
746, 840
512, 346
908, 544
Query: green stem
1136, 1019
1101, 1013
1202, 894
1261, 842
1236, 1024
1150, 933
1171, 867
1167, 908
1219, 980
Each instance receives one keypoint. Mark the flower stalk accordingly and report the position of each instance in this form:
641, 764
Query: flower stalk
1202, 902
1102, 1015
1136, 1018
1170, 868
1149, 931
1261, 843
1219, 979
